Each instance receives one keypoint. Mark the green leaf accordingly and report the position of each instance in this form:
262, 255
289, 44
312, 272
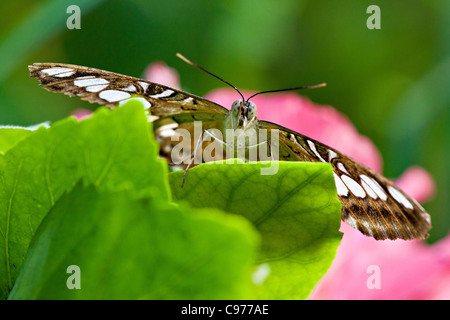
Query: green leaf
112, 149
128, 248
9, 137
296, 211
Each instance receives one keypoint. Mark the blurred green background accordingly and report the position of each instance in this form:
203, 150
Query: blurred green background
392, 83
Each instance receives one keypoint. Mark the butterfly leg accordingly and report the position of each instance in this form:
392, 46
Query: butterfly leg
259, 145
223, 143
265, 170
270, 149
197, 147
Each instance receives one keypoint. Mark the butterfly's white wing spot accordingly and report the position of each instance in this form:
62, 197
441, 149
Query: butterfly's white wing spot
96, 88
144, 85
65, 74
130, 88
354, 186
374, 186
340, 186
167, 130
166, 148
342, 167
91, 84
163, 94
150, 117
397, 195
331, 155
89, 81
188, 100
312, 146
352, 222
368, 227
145, 102
167, 133
426, 216
113, 95
59, 72
369, 190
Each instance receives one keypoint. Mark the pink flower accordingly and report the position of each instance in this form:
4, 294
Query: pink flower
406, 269
81, 114
159, 72
417, 183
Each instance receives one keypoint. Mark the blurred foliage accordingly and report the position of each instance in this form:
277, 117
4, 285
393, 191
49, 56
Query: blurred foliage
392, 83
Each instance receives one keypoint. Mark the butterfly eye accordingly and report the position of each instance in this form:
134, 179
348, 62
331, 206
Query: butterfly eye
235, 106
251, 110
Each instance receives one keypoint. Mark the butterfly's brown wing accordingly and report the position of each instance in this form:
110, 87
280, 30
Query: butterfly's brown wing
371, 202
169, 108
109, 88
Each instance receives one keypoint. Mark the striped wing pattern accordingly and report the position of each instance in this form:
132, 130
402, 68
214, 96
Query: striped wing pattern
110, 89
371, 203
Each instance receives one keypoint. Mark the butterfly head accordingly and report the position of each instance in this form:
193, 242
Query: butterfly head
243, 112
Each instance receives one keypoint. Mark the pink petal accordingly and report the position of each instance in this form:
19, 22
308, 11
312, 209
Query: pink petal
159, 72
81, 114
417, 183
408, 269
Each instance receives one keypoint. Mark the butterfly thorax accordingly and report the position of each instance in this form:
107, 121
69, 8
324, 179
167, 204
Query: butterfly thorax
241, 127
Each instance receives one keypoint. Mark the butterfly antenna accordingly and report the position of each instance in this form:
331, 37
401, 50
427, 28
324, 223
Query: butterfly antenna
290, 89
179, 55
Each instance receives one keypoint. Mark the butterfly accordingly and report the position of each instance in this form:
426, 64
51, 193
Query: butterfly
371, 203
